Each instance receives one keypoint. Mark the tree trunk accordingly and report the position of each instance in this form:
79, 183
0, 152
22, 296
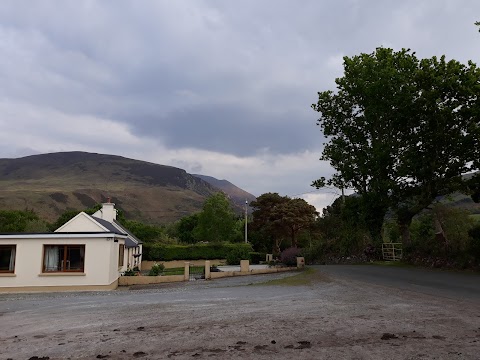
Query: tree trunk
439, 232
405, 231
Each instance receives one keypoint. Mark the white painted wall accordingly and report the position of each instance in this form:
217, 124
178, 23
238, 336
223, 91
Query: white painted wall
81, 223
101, 262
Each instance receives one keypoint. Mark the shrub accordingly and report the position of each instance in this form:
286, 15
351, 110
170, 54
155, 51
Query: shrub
156, 269
289, 256
257, 257
161, 252
474, 247
237, 254
130, 272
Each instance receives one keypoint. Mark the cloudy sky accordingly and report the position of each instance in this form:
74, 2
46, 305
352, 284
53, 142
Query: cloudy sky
221, 88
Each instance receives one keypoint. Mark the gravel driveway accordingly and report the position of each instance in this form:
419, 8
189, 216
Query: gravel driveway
333, 315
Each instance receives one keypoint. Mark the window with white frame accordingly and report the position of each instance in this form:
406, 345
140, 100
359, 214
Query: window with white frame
7, 258
63, 258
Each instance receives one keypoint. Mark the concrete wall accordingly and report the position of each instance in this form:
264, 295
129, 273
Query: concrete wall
113, 269
144, 280
222, 274
100, 267
80, 223
147, 265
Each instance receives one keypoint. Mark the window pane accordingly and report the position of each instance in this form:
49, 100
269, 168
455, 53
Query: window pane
7, 258
74, 258
53, 259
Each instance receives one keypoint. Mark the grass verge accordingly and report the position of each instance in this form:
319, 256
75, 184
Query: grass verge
303, 278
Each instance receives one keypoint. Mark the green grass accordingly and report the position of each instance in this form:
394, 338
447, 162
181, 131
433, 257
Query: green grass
303, 278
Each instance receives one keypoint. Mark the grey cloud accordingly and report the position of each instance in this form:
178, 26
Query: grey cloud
233, 77
233, 129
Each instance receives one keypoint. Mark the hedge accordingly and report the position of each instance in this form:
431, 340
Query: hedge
161, 252
257, 257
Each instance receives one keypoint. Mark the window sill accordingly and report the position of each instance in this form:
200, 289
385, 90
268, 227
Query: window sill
7, 275
63, 274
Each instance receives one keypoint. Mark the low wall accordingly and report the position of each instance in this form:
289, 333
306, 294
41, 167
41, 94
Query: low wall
147, 265
145, 280
73, 288
222, 274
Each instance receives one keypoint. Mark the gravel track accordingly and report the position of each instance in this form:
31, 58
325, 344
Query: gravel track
334, 317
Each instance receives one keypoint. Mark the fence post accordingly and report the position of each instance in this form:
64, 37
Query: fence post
187, 272
207, 270
244, 266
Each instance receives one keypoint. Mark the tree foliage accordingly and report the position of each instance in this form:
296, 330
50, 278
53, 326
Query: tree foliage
12, 221
280, 217
185, 229
216, 221
401, 131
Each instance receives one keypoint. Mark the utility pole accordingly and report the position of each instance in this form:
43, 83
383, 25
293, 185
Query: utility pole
246, 221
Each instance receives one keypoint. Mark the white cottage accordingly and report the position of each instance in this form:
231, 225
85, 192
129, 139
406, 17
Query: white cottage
86, 253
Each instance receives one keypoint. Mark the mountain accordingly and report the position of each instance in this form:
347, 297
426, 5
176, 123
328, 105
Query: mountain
53, 183
237, 195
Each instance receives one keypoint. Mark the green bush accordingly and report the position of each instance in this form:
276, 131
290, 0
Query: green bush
257, 257
130, 272
237, 254
156, 269
161, 252
474, 247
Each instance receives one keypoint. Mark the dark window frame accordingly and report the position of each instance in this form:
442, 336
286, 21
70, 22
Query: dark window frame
14, 247
65, 259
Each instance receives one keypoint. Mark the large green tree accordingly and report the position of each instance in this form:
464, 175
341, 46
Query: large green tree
216, 221
280, 217
400, 131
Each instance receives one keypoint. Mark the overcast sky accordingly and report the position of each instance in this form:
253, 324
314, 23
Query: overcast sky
221, 88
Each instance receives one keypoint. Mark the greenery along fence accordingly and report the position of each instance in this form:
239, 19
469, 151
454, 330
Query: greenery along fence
162, 252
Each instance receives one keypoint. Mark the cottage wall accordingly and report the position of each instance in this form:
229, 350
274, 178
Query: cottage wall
81, 223
100, 267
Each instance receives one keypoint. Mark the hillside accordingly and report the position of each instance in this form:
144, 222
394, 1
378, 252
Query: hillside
237, 195
53, 183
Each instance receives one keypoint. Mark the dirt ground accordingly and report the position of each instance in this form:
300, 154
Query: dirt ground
326, 317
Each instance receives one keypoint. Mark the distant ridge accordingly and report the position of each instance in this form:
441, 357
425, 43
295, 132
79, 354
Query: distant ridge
52, 183
237, 195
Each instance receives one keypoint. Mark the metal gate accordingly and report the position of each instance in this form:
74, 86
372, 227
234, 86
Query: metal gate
196, 273
392, 251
